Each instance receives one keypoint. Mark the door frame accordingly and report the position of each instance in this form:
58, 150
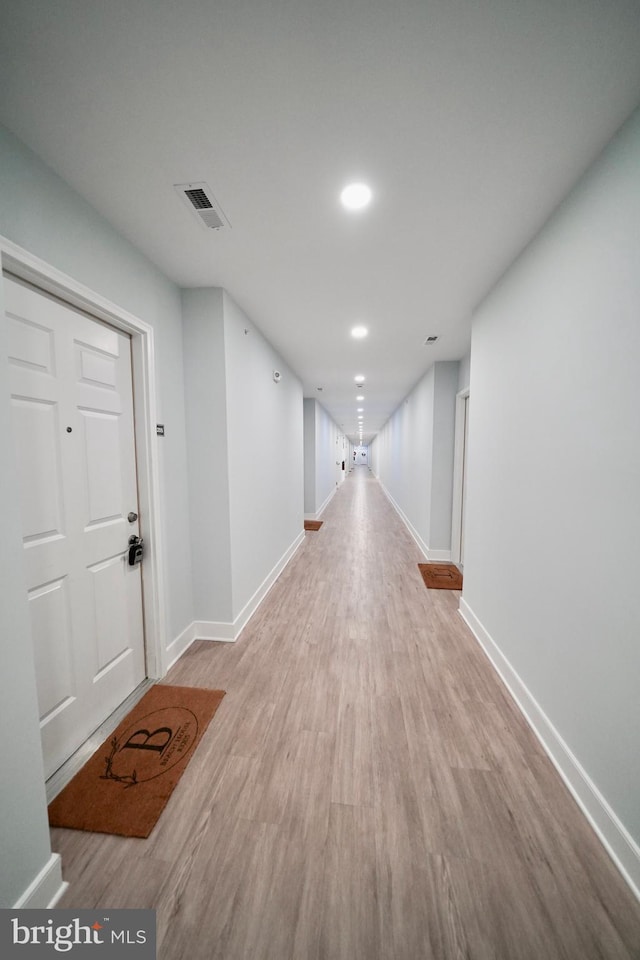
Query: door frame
459, 454
24, 265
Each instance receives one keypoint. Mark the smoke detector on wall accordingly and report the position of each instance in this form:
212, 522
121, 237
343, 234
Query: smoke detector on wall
201, 201
277, 376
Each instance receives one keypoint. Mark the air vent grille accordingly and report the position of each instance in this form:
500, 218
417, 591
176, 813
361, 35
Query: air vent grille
200, 199
430, 340
211, 219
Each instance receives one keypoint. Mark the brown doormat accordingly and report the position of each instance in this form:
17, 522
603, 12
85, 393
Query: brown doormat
441, 576
313, 524
124, 787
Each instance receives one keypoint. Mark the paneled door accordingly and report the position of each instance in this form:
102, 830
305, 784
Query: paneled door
72, 413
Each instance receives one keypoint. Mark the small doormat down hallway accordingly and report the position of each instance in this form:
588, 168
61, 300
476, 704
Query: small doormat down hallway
441, 576
313, 524
124, 787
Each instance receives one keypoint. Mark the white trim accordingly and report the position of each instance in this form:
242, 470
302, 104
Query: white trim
214, 630
433, 556
46, 889
458, 469
28, 267
254, 602
226, 632
180, 644
618, 842
318, 514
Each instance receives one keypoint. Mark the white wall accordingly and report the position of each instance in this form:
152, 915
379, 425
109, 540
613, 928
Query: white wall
244, 434
552, 563
39, 212
309, 440
266, 472
412, 456
325, 447
464, 372
207, 446
444, 416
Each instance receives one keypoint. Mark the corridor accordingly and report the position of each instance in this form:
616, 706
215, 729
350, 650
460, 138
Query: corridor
367, 789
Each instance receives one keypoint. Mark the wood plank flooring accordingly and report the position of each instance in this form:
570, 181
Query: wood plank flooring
367, 789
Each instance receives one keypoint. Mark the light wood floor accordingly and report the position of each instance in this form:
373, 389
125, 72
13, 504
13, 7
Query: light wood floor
366, 791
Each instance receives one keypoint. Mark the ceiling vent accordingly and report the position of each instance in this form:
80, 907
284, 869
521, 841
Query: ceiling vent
429, 341
201, 201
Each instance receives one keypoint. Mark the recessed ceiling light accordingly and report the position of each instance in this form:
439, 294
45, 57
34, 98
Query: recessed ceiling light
361, 397
359, 332
360, 417
360, 410
355, 196
359, 378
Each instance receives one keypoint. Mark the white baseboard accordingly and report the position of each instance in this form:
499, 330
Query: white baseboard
213, 630
181, 643
254, 602
318, 514
617, 840
224, 631
433, 556
47, 887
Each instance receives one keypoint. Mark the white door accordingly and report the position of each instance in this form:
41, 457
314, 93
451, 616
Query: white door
72, 412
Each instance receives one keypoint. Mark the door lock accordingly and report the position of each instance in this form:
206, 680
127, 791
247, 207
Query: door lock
132, 517
136, 546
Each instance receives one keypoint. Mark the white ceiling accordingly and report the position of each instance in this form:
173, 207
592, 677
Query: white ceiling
470, 120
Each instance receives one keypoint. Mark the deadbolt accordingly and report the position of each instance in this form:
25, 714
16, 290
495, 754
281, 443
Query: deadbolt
136, 546
132, 517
